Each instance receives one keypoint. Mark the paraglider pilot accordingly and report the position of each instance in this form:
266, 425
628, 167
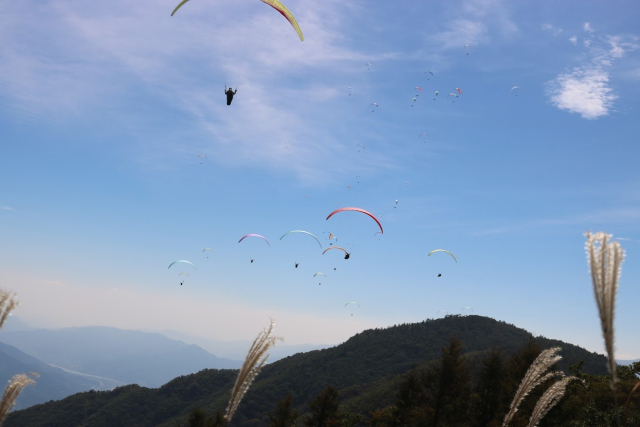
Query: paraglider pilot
229, 94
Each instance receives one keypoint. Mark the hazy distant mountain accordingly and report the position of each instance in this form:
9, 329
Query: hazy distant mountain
148, 359
237, 350
13, 324
626, 362
52, 384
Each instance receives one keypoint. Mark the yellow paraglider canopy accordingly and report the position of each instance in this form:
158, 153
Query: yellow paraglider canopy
274, 4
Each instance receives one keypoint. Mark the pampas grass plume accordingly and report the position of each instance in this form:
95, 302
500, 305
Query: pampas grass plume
256, 358
536, 374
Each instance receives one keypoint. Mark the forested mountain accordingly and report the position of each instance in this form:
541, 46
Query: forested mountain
367, 371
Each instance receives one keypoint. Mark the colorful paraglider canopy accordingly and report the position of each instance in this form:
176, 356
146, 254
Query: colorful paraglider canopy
182, 260
459, 91
419, 88
347, 254
358, 210
254, 235
302, 231
274, 4
442, 250
207, 249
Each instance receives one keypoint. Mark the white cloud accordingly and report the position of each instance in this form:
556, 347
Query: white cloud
585, 90
7, 208
587, 27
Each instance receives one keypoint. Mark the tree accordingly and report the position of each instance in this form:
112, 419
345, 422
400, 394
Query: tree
284, 415
490, 404
448, 389
324, 410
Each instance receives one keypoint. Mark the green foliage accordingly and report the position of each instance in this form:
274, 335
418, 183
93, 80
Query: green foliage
284, 416
324, 410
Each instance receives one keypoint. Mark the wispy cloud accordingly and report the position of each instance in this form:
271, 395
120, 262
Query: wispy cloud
472, 23
610, 216
7, 208
552, 29
573, 40
585, 90
587, 27
67, 60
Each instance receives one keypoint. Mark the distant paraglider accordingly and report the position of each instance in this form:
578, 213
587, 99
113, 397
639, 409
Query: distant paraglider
442, 250
347, 254
305, 232
358, 210
184, 261
254, 235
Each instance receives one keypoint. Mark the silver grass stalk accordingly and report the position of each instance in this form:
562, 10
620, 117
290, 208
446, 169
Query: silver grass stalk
536, 374
256, 358
605, 262
16, 384
8, 302
549, 399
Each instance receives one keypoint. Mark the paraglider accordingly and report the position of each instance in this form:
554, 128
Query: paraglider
515, 87
459, 91
422, 134
351, 90
439, 274
368, 64
274, 4
254, 235
229, 94
302, 231
436, 95
338, 247
183, 273
466, 307
319, 273
352, 302
358, 210
201, 155
376, 104
182, 260
429, 73
419, 88
442, 250
469, 46
207, 249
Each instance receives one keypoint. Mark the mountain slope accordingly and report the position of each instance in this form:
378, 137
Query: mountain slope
52, 384
148, 359
367, 366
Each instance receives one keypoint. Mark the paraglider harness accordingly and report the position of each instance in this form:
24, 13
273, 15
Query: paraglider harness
229, 94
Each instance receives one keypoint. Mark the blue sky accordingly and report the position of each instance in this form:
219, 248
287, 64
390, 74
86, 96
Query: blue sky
104, 108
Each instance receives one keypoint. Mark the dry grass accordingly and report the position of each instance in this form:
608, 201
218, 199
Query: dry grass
256, 358
16, 384
8, 302
549, 399
536, 374
605, 262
